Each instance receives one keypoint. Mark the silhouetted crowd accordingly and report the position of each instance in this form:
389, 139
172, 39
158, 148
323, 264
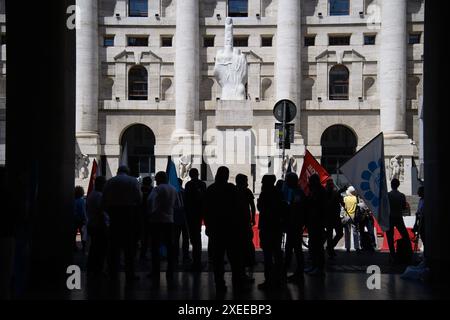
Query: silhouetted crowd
123, 216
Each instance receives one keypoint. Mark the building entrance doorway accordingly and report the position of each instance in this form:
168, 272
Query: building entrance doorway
138, 150
338, 145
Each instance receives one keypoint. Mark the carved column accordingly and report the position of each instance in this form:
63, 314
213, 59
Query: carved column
288, 64
288, 67
87, 68
87, 87
392, 68
186, 66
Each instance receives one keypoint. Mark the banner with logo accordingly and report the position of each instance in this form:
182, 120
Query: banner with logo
366, 171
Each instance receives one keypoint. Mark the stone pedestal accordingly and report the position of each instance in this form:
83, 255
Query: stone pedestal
234, 114
232, 143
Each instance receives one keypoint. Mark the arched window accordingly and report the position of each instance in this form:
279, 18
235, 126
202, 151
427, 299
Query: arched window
339, 7
339, 76
138, 150
138, 8
338, 145
137, 83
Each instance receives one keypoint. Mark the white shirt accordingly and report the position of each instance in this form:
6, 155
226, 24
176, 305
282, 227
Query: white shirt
161, 204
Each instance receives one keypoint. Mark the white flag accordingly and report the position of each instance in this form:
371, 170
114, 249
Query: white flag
366, 171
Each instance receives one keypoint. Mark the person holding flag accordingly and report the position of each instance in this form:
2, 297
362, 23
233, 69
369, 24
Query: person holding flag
397, 203
366, 171
332, 219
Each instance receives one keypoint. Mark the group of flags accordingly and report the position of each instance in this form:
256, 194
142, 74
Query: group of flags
366, 171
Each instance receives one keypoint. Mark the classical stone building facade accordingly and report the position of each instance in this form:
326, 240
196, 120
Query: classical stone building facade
146, 87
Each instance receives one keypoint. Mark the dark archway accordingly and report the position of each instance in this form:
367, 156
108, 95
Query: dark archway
138, 150
338, 145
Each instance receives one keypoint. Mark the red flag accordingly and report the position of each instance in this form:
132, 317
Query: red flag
92, 178
310, 167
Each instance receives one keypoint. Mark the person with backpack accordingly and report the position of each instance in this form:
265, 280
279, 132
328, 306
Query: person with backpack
366, 222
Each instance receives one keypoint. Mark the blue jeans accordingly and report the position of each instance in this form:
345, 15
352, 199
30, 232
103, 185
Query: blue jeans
354, 229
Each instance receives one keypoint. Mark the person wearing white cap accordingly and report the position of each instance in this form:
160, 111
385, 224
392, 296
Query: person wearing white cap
351, 204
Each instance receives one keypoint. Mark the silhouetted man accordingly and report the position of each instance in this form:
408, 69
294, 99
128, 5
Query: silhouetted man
162, 202
333, 219
223, 227
271, 219
397, 203
97, 228
295, 225
419, 225
121, 200
180, 226
247, 211
146, 189
316, 224
194, 195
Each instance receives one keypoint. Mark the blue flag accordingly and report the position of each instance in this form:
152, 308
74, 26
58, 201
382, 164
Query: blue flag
171, 172
367, 173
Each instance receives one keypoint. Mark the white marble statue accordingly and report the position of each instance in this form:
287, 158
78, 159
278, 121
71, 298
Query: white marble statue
290, 161
395, 165
230, 69
184, 166
82, 166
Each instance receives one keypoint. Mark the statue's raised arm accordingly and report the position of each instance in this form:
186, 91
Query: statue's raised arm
231, 67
